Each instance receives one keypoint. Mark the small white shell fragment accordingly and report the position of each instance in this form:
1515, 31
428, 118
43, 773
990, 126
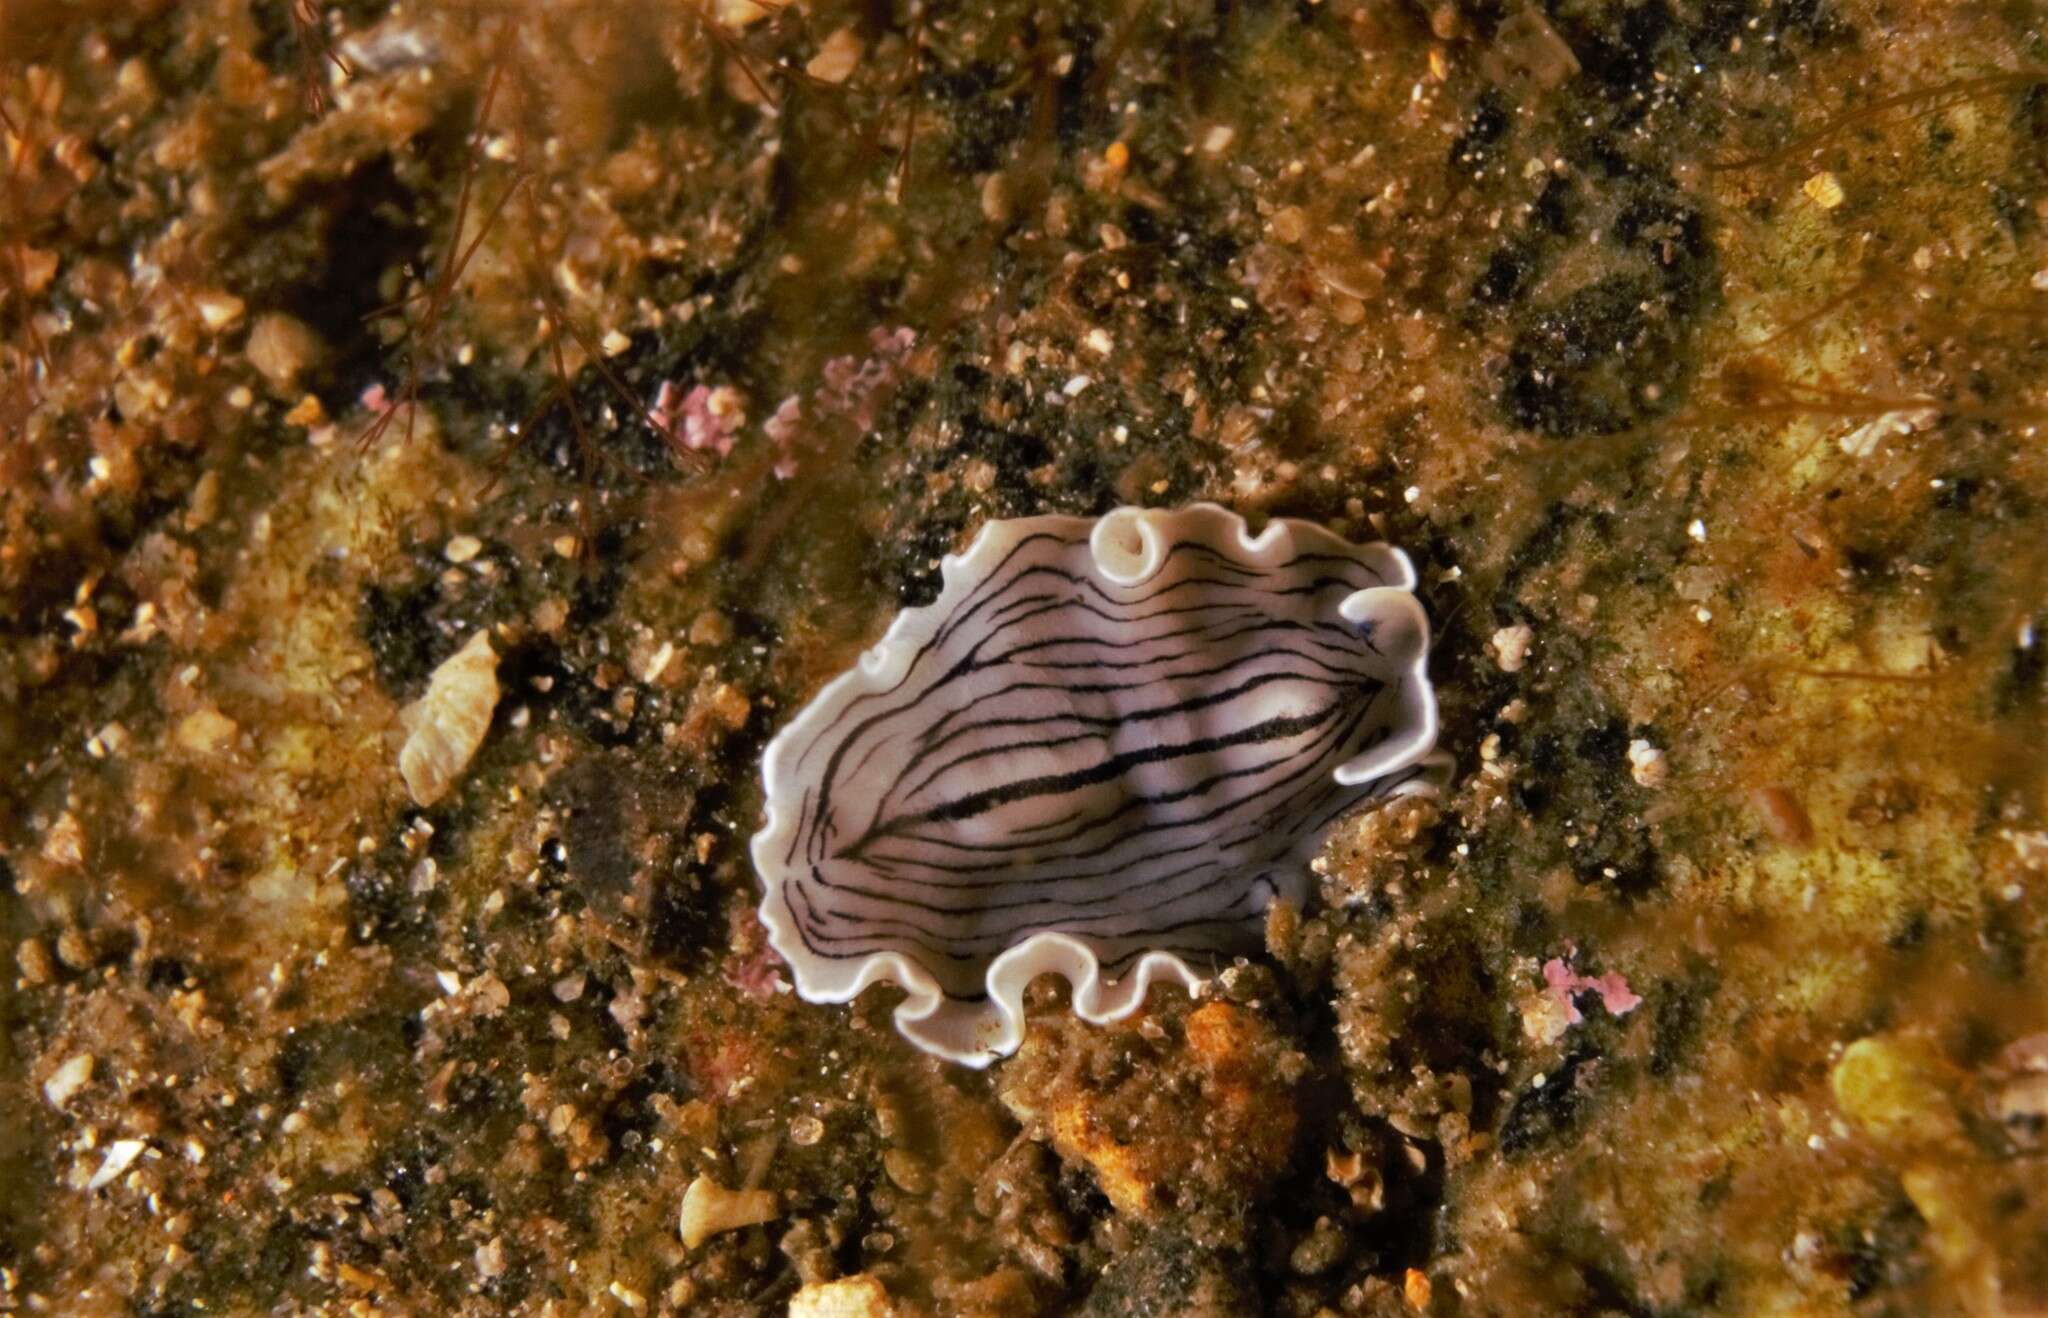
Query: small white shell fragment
709, 1209
1646, 764
462, 548
74, 1075
445, 726
1104, 750
1511, 646
858, 1296
121, 1155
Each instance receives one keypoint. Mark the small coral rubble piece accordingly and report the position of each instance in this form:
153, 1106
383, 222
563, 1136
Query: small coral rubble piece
859, 1296
1511, 646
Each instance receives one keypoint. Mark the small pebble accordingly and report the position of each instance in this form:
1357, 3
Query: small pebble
33, 960
710, 628
218, 310
68, 1079
995, 198
308, 411
838, 56
280, 347
74, 950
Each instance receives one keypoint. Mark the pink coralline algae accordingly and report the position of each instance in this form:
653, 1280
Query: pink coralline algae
705, 418
754, 967
854, 389
709, 418
1563, 983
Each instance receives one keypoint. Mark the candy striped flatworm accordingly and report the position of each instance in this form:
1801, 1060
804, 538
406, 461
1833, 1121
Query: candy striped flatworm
1104, 749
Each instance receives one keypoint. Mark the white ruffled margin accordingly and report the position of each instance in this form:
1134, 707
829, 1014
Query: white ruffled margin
1127, 545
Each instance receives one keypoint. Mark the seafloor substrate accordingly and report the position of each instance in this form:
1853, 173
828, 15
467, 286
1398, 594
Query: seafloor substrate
1695, 348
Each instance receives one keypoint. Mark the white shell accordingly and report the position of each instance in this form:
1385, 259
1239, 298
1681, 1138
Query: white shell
445, 726
1102, 752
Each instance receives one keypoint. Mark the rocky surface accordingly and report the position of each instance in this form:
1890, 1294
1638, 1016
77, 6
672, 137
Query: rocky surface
1694, 348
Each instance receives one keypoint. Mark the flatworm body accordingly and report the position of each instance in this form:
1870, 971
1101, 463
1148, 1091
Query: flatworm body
1102, 752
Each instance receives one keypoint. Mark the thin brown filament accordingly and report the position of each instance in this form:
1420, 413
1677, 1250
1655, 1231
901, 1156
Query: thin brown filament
439, 293
1941, 97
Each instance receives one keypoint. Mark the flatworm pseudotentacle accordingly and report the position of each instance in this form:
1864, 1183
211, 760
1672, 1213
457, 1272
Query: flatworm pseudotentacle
1102, 752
